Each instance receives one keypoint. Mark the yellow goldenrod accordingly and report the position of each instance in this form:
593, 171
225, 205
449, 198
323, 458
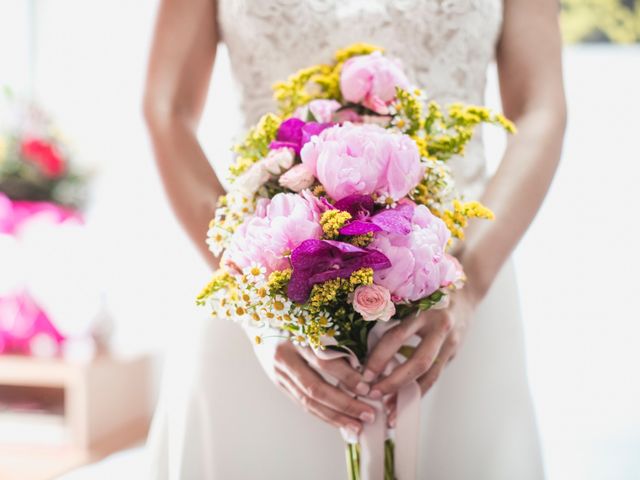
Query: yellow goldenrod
332, 221
278, 280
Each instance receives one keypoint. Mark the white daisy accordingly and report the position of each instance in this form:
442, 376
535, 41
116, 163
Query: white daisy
217, 238
299, 339
386, 200
255, 272
281, 304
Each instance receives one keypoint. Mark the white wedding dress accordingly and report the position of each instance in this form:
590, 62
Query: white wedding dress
222, 418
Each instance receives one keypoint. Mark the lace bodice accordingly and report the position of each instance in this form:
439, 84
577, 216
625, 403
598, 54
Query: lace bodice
444, 45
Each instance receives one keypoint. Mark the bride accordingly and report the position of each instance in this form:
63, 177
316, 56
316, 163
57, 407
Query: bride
477, 416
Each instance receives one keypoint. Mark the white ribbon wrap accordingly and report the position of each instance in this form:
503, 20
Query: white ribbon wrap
373, 436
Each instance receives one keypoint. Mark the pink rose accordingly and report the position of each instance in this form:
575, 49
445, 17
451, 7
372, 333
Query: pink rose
297, 178
363, 159
273, 232
372, 80
373, 302
419, 264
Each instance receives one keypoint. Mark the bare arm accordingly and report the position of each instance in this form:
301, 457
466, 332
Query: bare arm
179, 71
530, 70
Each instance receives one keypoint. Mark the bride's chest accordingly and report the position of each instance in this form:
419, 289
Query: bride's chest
307, 31
273, 20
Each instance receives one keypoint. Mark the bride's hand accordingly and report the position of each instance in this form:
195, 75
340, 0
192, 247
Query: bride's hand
441, 333
294, 373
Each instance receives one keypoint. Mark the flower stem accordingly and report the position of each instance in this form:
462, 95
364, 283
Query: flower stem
353, 461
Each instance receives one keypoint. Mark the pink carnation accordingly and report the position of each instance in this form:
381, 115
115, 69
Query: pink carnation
419, 264
273, 232
363, 159
372, 80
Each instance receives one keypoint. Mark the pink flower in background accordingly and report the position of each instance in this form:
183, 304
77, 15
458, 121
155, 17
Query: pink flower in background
14, 214
372, 80
363, 159
277, 228
297, 178
373, 302
26, 329
419, 264
44, 155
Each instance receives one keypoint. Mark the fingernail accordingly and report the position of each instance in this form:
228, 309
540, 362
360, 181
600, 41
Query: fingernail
367, 417
375, 394
368, 376
362, 388
392, 421
351, 434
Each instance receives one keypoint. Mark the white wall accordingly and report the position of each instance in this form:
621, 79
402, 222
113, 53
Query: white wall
577, 265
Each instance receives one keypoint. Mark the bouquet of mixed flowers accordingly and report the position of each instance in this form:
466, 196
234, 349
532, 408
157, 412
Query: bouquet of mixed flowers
343, 209
35, 161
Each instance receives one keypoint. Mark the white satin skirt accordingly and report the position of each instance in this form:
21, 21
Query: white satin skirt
220, 417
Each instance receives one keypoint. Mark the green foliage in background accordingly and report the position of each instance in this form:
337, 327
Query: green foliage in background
616, 21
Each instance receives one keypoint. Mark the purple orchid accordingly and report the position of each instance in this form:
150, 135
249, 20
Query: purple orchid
316, 261
364, 220
294, 133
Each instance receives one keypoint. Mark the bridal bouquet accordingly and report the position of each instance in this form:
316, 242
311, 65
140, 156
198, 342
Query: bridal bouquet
342, 212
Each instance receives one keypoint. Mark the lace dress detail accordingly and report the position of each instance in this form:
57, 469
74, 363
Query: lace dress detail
444, 45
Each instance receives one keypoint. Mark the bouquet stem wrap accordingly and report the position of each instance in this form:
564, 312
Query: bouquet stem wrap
372, 441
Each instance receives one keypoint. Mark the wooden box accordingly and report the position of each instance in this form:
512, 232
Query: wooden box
85, 412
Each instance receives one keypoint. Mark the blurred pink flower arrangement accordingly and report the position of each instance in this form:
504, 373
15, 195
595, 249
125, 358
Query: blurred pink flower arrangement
39, 184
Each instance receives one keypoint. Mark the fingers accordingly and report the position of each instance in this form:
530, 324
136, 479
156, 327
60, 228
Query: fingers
316, 388
390, 409
323, 412
434, 335
426, 381
386, 348
446, 354
339, 369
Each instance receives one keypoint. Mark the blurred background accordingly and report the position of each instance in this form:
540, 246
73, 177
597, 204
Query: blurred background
94, 292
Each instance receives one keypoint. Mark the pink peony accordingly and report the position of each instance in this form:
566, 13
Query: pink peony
297, 178
373, 302
372, 80
452, 272
419, 264
363, 159
273, 232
